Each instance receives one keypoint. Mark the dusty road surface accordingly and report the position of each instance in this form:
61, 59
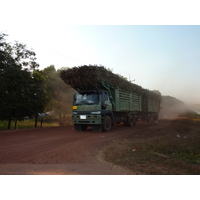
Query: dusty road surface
62, 150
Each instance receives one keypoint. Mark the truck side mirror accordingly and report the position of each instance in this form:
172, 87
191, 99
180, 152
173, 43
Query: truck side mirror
104, 106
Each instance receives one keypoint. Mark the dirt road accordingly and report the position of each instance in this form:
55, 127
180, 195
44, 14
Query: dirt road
61, 150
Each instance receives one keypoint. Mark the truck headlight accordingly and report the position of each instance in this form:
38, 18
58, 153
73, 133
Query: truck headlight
96, 113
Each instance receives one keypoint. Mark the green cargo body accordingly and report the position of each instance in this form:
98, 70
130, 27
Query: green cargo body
153, 105
127, 101
150, 105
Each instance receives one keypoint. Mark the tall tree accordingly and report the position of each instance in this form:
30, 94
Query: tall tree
17, 84
39, 94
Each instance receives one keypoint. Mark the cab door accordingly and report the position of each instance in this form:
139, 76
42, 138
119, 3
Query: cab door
106, 104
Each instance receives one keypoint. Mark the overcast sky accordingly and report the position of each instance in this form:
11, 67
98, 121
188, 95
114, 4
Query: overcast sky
164, 58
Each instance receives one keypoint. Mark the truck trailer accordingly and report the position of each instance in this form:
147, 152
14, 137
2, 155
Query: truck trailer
104, 99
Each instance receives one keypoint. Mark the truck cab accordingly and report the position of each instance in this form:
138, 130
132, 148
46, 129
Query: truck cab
90, 108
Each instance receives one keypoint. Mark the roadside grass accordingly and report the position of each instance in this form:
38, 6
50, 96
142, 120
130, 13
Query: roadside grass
29, 123
174, 150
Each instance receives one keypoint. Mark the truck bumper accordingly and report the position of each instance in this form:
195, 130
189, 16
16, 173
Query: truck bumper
87, 119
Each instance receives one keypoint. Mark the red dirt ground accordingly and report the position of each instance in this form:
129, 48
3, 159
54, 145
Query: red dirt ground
62, 150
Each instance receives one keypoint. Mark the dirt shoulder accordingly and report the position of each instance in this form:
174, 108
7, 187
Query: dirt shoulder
171, 148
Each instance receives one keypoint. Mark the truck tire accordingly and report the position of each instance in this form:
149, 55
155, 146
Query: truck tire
135, 119
80, 127
155, 116
131, 120
107, 124
148, 117
126, 121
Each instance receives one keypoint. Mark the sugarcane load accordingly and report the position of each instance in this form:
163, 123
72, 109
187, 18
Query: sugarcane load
104, 99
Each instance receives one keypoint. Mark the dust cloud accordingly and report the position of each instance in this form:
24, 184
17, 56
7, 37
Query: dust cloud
171, 107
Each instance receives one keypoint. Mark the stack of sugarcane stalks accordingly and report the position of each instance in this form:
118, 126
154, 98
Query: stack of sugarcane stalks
90, 77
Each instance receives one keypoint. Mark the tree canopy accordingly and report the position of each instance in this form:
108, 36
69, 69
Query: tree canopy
27, 91
20, 87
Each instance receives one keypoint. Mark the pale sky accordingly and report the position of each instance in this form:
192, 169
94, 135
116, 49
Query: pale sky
164, 58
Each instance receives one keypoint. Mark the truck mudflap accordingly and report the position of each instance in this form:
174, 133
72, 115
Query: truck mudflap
80, 127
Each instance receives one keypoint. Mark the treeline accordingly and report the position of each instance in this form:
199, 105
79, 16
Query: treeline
27, 91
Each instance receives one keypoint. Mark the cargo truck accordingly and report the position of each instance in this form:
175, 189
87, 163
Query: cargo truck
104, 99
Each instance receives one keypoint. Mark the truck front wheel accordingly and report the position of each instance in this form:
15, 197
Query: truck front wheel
107, 124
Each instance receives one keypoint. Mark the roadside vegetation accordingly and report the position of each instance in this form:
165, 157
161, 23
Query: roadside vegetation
27, 123
173, 150
42, 122
27, 91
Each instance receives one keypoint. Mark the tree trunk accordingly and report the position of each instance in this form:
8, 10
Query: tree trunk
36, 117
64, 120
15, 124
60, 118
9, 122
41, 122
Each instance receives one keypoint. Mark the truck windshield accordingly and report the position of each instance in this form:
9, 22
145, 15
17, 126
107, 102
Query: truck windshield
86, 99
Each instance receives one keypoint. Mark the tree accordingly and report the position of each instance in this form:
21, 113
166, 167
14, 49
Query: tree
17, 84
39, 94
27, 91
15, 94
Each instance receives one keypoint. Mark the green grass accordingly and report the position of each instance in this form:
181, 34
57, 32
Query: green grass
3, 125
28, 123
166, 153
